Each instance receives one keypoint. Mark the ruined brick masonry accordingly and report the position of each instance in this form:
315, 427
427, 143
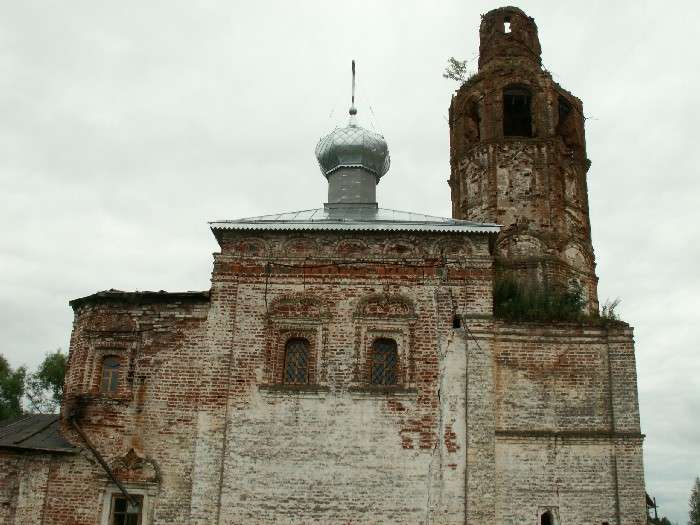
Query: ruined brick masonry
487, 421
518, 157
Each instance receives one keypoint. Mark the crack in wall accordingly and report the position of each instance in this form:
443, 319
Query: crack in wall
438, 446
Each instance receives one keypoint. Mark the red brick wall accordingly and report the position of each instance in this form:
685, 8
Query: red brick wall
203, 424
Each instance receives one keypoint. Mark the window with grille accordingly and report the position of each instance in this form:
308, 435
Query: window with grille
124, 512
296, 361
110, 375
384, 362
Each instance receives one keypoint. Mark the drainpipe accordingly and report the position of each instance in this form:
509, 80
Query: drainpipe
102, 462
466, 420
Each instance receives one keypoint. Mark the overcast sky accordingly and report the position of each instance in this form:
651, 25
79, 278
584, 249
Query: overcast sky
126, 126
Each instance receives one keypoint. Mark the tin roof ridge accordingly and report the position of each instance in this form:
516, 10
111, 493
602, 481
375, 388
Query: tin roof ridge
351, 215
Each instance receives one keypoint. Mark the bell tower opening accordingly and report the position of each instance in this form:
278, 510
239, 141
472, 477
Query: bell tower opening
506, 33
517, 112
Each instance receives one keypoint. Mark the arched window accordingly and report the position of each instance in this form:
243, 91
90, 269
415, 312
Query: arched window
296, 361
517, 114
465, 127
546, 519
110, 374
384, 362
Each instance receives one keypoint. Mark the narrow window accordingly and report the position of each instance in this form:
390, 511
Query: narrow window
506, 24
456, 322
384, 362
546, 519
517, 116
110, 375
296, 361
125, 512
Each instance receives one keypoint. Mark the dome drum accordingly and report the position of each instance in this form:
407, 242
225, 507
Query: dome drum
352, 185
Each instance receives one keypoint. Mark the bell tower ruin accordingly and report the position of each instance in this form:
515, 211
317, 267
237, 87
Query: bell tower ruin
518, 158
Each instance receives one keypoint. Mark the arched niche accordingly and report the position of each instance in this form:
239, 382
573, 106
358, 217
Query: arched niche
465, 125
453, 247
518, 246
297, 305
385, 306
576, 257
300, 246
250, 246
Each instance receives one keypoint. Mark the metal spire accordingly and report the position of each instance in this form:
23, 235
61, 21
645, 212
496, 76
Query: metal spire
353, 110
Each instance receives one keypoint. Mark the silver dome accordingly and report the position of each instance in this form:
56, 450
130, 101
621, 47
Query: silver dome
353, 147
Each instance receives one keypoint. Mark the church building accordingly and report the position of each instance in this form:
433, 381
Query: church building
347, 365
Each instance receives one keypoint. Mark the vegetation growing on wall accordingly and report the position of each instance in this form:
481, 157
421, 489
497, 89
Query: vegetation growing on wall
455, 70
514, 300
517, 301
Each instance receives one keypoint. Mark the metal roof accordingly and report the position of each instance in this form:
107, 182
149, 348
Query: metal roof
34, 432
354, 147
355, 218
142, 297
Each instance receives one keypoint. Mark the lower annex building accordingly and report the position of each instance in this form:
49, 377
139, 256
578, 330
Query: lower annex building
346, 365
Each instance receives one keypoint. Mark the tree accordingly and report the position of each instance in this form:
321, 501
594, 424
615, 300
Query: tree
44, 388
11, 389
694, 511
456, 70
